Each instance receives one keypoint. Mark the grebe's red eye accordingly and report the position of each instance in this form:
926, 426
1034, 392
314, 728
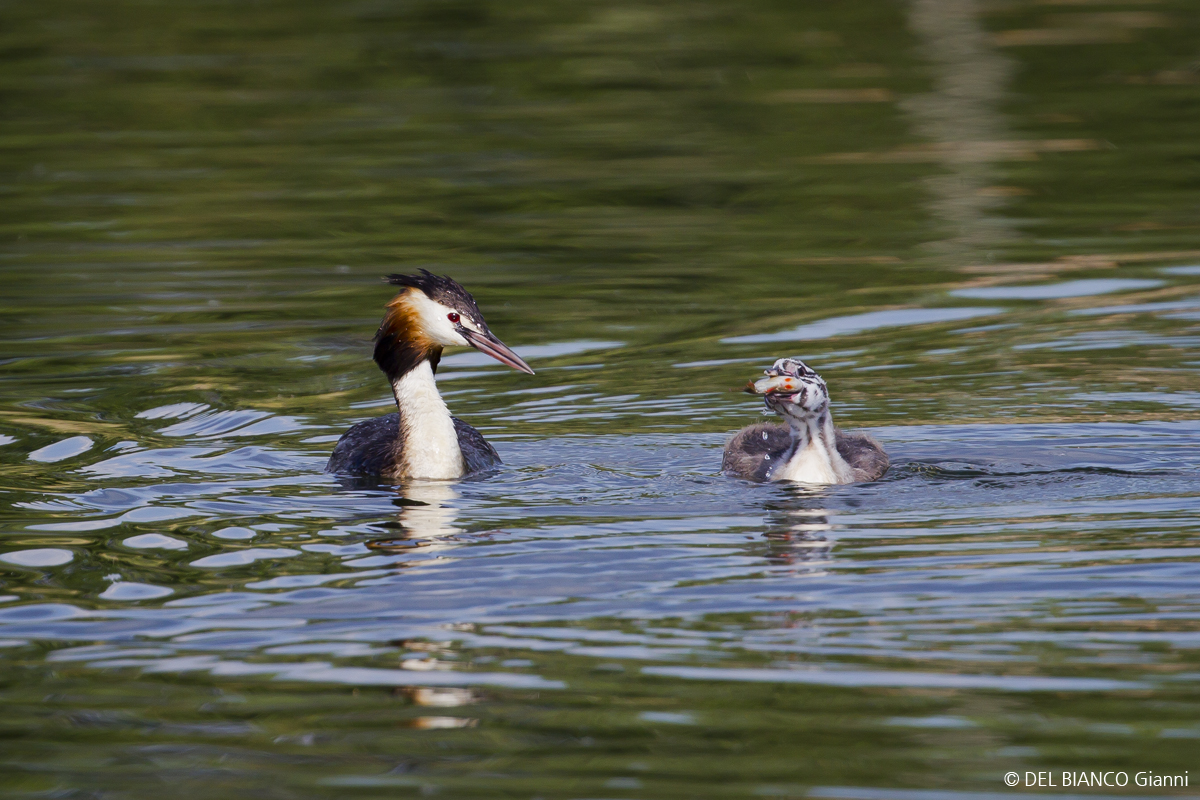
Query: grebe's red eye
453, 317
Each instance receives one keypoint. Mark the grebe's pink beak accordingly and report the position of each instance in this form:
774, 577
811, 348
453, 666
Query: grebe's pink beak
488, 343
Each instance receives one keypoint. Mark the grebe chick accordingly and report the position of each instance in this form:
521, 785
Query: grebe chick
422, 440
808, 449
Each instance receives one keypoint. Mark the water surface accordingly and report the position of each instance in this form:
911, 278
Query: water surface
978, 222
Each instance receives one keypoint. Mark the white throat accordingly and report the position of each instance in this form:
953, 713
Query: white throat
426, 430
815, 457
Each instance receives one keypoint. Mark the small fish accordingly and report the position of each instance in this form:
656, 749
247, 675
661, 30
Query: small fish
773, 384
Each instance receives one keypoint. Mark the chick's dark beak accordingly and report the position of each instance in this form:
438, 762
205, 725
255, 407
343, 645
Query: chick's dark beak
487, 343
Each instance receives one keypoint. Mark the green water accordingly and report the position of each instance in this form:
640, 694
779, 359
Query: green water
650, 202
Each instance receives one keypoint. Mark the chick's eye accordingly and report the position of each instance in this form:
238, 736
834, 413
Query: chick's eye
453, 317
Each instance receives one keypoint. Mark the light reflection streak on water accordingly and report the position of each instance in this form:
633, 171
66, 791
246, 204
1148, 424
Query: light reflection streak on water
871, 320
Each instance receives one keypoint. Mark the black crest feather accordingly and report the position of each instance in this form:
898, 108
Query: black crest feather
442, 289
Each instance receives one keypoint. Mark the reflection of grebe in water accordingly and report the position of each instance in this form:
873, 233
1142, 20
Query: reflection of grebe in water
422, 440
797, 538
808, 449
428, 514
427, 517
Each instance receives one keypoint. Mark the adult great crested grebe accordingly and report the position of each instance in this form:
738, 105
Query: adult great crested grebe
422, 440
808, 449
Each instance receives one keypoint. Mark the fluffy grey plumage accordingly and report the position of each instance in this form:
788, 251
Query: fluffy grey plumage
755, 452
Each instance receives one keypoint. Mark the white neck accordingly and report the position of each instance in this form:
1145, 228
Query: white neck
815, 458
430, 443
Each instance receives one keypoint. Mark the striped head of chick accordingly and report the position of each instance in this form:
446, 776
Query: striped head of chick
793, 388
